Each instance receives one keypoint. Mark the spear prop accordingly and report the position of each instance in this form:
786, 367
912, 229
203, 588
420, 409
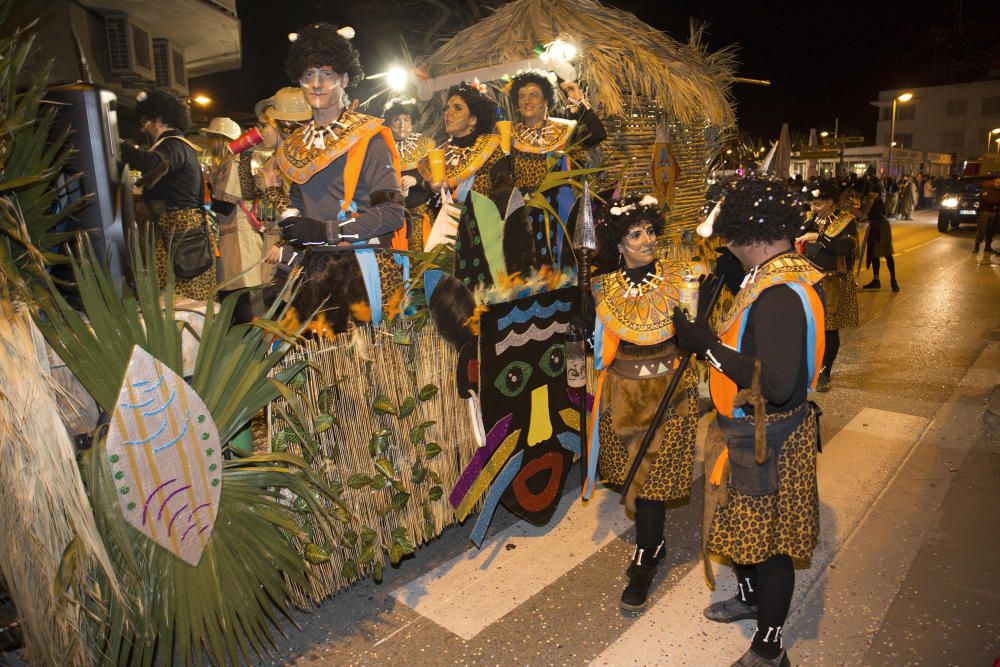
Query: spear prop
654, 425
584, 243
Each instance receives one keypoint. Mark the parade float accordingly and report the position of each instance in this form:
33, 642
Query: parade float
372, 444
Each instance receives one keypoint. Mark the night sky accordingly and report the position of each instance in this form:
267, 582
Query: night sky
825, 60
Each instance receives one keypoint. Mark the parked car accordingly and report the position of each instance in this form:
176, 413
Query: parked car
965, 200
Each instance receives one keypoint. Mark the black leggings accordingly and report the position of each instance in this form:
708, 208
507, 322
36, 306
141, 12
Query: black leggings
831, 350
890, 262
243, 314
769, 585
650, 516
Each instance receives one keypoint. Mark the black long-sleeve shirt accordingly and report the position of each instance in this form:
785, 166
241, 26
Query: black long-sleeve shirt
181, 186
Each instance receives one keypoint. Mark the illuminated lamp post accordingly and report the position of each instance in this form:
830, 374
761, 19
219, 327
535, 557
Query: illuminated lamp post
905, 97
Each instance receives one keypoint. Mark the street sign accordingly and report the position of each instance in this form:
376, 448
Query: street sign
846, 141
818, 154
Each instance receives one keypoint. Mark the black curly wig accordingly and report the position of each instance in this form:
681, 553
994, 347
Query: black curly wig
826, 188
539, 79
611, 229
480, 106
319, 45
164, 105
758, 209
398, 107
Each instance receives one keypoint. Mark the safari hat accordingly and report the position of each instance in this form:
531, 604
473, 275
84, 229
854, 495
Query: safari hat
286, 104
227, 127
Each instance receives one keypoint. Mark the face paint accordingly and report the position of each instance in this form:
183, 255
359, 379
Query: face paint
638, 246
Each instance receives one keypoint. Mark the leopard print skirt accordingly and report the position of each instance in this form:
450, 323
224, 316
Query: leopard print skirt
628, 406
840, 300
750, 529
202, 286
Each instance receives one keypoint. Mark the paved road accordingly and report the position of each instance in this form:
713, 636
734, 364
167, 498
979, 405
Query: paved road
906, 568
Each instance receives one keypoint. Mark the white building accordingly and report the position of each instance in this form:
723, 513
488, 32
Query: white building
953, 119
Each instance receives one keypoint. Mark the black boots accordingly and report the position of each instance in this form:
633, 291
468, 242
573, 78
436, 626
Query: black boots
640, 575
874, 284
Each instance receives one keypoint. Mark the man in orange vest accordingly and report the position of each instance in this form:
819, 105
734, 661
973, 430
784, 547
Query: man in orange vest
764, 360
347, 203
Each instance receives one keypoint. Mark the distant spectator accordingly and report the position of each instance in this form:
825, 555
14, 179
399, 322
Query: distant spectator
928, 192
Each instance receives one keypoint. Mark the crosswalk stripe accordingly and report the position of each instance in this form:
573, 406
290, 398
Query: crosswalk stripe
477, 588
854, 468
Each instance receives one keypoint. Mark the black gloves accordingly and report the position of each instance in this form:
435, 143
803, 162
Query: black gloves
693, 337
307, 231
729, 269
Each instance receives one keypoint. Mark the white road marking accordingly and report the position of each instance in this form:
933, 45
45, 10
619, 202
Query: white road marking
856, 466
477, 588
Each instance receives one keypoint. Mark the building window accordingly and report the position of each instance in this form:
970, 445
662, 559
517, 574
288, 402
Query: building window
887, 113
906, 111
991, 106
904, 140
954, 108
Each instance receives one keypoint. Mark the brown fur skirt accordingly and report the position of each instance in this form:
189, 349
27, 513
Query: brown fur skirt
750, 529
627, 407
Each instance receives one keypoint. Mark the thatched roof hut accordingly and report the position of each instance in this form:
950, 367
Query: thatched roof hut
644, 83
622, 60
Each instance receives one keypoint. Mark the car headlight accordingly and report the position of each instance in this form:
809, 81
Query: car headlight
950, 202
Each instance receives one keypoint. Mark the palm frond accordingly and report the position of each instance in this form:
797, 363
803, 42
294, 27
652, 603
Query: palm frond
225, 608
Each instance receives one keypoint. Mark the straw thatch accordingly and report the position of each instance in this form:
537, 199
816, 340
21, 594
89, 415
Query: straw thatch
621, 58
378, 380
51, 538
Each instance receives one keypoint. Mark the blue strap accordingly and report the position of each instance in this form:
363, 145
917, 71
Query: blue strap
565, 197
373, 282
800, 290
598, 345
739, 413
462, 191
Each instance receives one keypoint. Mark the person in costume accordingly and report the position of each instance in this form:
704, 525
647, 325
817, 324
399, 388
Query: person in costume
537, 136
763, 361
401, 116
470, 155
241, 241
830, 241
636, 354
277, 117
345, 192
879, 231
172, 183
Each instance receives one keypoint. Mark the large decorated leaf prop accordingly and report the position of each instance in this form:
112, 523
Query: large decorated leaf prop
163, 449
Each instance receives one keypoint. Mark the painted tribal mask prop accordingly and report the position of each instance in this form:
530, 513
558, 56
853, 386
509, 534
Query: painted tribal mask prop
531, 426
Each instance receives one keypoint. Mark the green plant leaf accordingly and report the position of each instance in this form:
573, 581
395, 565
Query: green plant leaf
383, 405
431, 449
396, 553
368, 535
435, 493
399, 500
349, 571
427, 392
406, 407
367, 555
350, 538
383, 465
358, 480
379, 482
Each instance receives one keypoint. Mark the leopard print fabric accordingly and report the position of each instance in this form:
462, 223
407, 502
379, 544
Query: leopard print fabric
669, 461
202, 286
391, 276
529, 170
751, 529
840, 299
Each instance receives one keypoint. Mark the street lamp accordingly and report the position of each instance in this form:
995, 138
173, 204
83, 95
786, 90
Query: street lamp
905, 97
989, 137
201, 100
